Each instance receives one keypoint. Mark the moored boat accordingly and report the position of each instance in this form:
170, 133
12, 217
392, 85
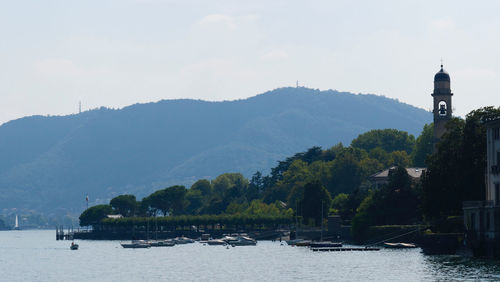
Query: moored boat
325, 245
399, 245
162, 243
183, 240
242, 241
216, 242
136, 244
303, 243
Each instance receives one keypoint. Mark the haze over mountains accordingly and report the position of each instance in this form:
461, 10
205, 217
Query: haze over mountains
49, 164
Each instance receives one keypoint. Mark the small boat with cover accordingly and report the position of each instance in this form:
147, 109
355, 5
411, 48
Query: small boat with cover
400, 245
136, 244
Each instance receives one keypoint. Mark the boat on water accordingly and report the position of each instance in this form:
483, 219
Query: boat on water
161, 243
294, 242
400, 245
204, 238
303, 243
325, 244
73, 246
136, 244
242, 241
216, 242
183, 240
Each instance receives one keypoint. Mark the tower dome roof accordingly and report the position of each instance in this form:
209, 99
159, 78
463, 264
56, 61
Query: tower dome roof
442, 75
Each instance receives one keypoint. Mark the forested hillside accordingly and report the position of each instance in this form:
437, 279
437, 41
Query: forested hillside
49, 164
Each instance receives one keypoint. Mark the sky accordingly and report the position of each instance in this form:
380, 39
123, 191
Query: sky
114, 53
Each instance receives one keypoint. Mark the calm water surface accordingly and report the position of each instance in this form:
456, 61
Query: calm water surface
37, 256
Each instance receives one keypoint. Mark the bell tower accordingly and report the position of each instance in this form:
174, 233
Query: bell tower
442, 103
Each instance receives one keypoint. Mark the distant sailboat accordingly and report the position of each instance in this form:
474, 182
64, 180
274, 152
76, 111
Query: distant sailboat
16, 226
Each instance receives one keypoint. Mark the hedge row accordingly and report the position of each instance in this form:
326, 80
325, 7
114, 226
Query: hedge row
197, 220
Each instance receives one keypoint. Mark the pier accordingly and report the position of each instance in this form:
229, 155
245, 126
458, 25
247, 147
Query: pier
344, 249
61, 235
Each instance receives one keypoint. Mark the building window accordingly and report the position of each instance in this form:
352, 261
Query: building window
472, 221
498, 158
496, 133
497, 194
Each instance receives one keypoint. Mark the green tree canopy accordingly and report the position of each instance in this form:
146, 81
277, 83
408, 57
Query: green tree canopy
389, 140
176, 199
316, 198
395, 203
170, 200
203, 186
125, 205
94, 215
341, 204
456, 171
424, 146
346, 172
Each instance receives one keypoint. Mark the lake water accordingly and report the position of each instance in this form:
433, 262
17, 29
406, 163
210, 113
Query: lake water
37, 256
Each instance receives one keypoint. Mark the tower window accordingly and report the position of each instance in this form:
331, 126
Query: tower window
496, 133
442, 109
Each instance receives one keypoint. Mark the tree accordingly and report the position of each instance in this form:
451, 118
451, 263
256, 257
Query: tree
175, 196
316, 198
203, 186
381, 156
311, 155
389, 140
170, 200
442, 187
194, 201
400, 158
341, 205
424, 146
289, 188
456, 171
125, 205
346, 172
157, 202
94, 215
255, 187
395, 203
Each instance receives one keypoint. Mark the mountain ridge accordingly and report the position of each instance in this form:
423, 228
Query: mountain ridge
50, 163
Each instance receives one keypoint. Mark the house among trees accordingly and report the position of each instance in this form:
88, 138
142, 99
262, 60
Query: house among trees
482, 218
382, 178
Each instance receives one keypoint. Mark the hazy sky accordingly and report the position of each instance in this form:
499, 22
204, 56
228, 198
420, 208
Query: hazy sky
116, 53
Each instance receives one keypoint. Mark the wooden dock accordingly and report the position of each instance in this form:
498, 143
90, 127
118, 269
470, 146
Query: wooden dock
344, 249
61, 235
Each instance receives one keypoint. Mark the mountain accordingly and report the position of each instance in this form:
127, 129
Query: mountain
50, 163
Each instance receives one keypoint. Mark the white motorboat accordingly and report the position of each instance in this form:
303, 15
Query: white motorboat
400, 245
183, 240
162, 243
136, 244
216, 242
242, 241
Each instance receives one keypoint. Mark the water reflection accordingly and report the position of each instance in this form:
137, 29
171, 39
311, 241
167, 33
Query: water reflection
461, 268
37, 256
